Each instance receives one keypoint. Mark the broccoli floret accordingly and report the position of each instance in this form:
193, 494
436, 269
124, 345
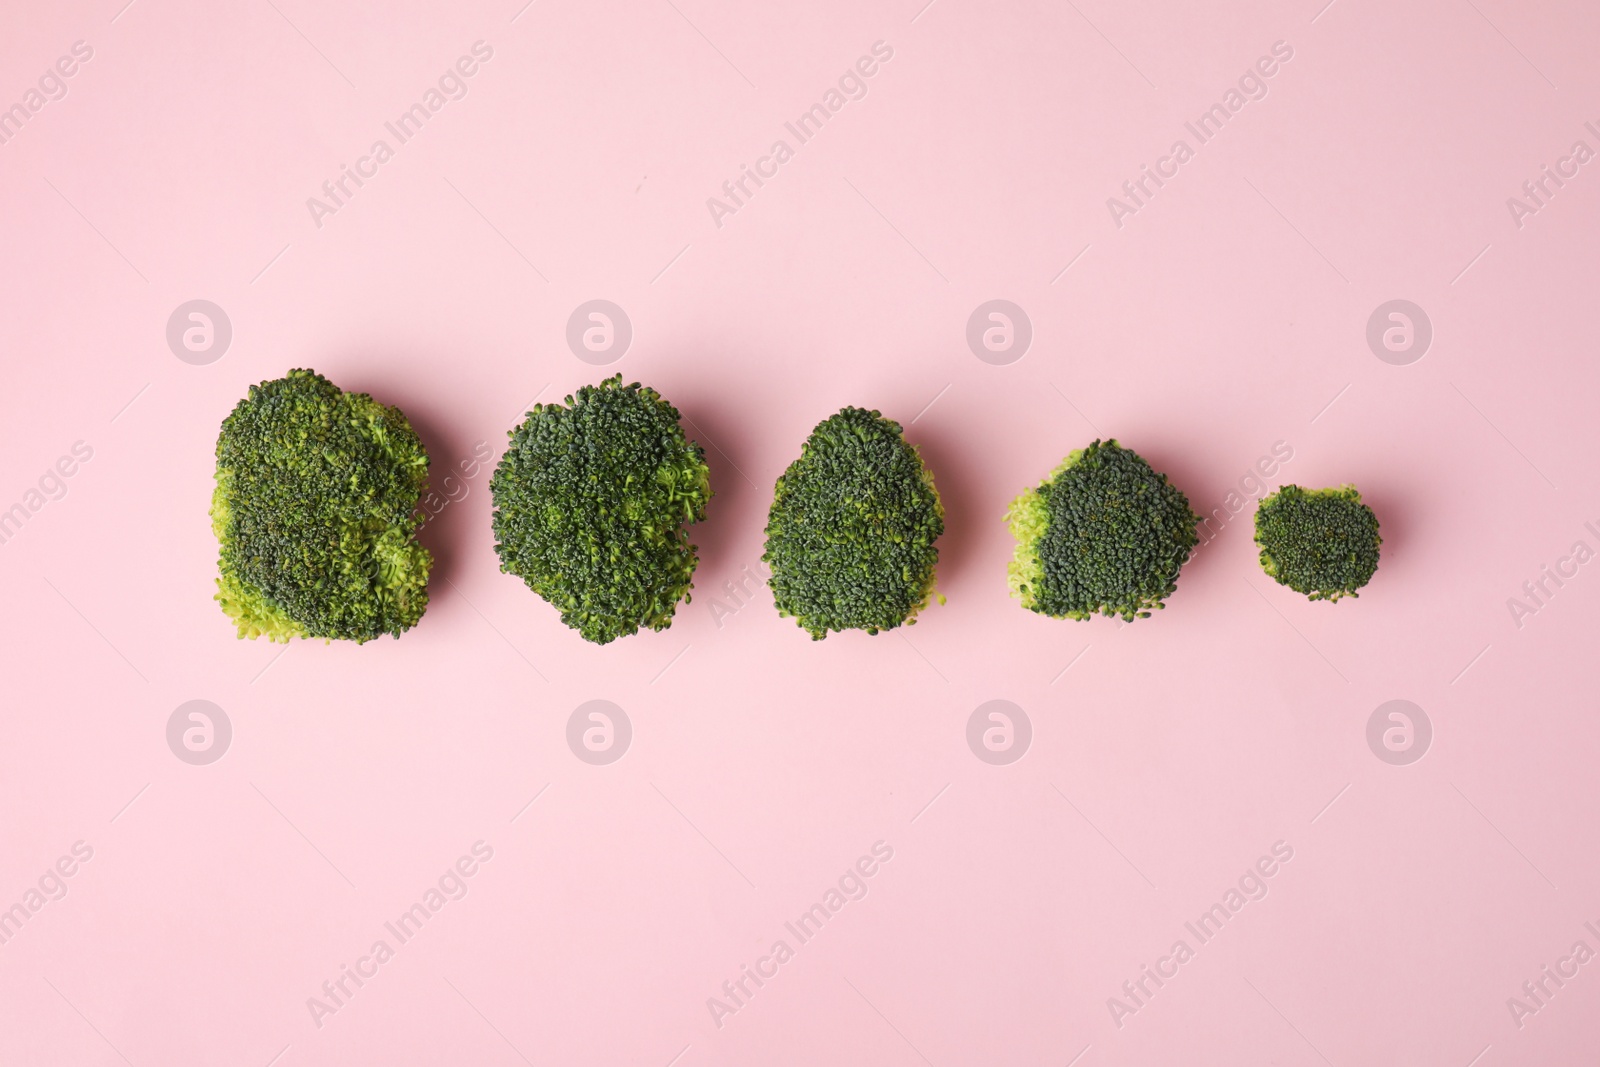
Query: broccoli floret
1320, 542
1104, 533
850, 537
314, 510
591, 500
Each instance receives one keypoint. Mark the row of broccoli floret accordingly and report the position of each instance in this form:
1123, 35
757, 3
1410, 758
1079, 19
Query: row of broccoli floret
316, 497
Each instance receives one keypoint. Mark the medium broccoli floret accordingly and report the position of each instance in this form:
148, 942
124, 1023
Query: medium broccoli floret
316, 490
1104, 533
850, 537
1320, 542
591, 500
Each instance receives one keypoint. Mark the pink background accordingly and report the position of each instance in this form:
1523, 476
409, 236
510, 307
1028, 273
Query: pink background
1228, 314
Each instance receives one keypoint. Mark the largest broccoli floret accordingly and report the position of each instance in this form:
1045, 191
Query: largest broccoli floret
1103, 534
1320, 542
850, 537
316, 490
590, 504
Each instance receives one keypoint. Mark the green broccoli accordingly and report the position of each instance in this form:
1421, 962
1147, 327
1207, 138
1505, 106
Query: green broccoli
1320, 542
850, 537
314, 510
1104, 533
590, 503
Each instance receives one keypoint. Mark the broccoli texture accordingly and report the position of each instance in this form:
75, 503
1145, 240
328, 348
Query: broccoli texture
850, 537
1320, 542
1104, 533
316, 490
591, 500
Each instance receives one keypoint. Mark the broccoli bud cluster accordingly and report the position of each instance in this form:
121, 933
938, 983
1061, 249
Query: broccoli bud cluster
314, 511
1320, 542
1103, 534
850, 537
591, 500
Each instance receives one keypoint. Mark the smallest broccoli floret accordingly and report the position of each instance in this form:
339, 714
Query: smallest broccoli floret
1320, 542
